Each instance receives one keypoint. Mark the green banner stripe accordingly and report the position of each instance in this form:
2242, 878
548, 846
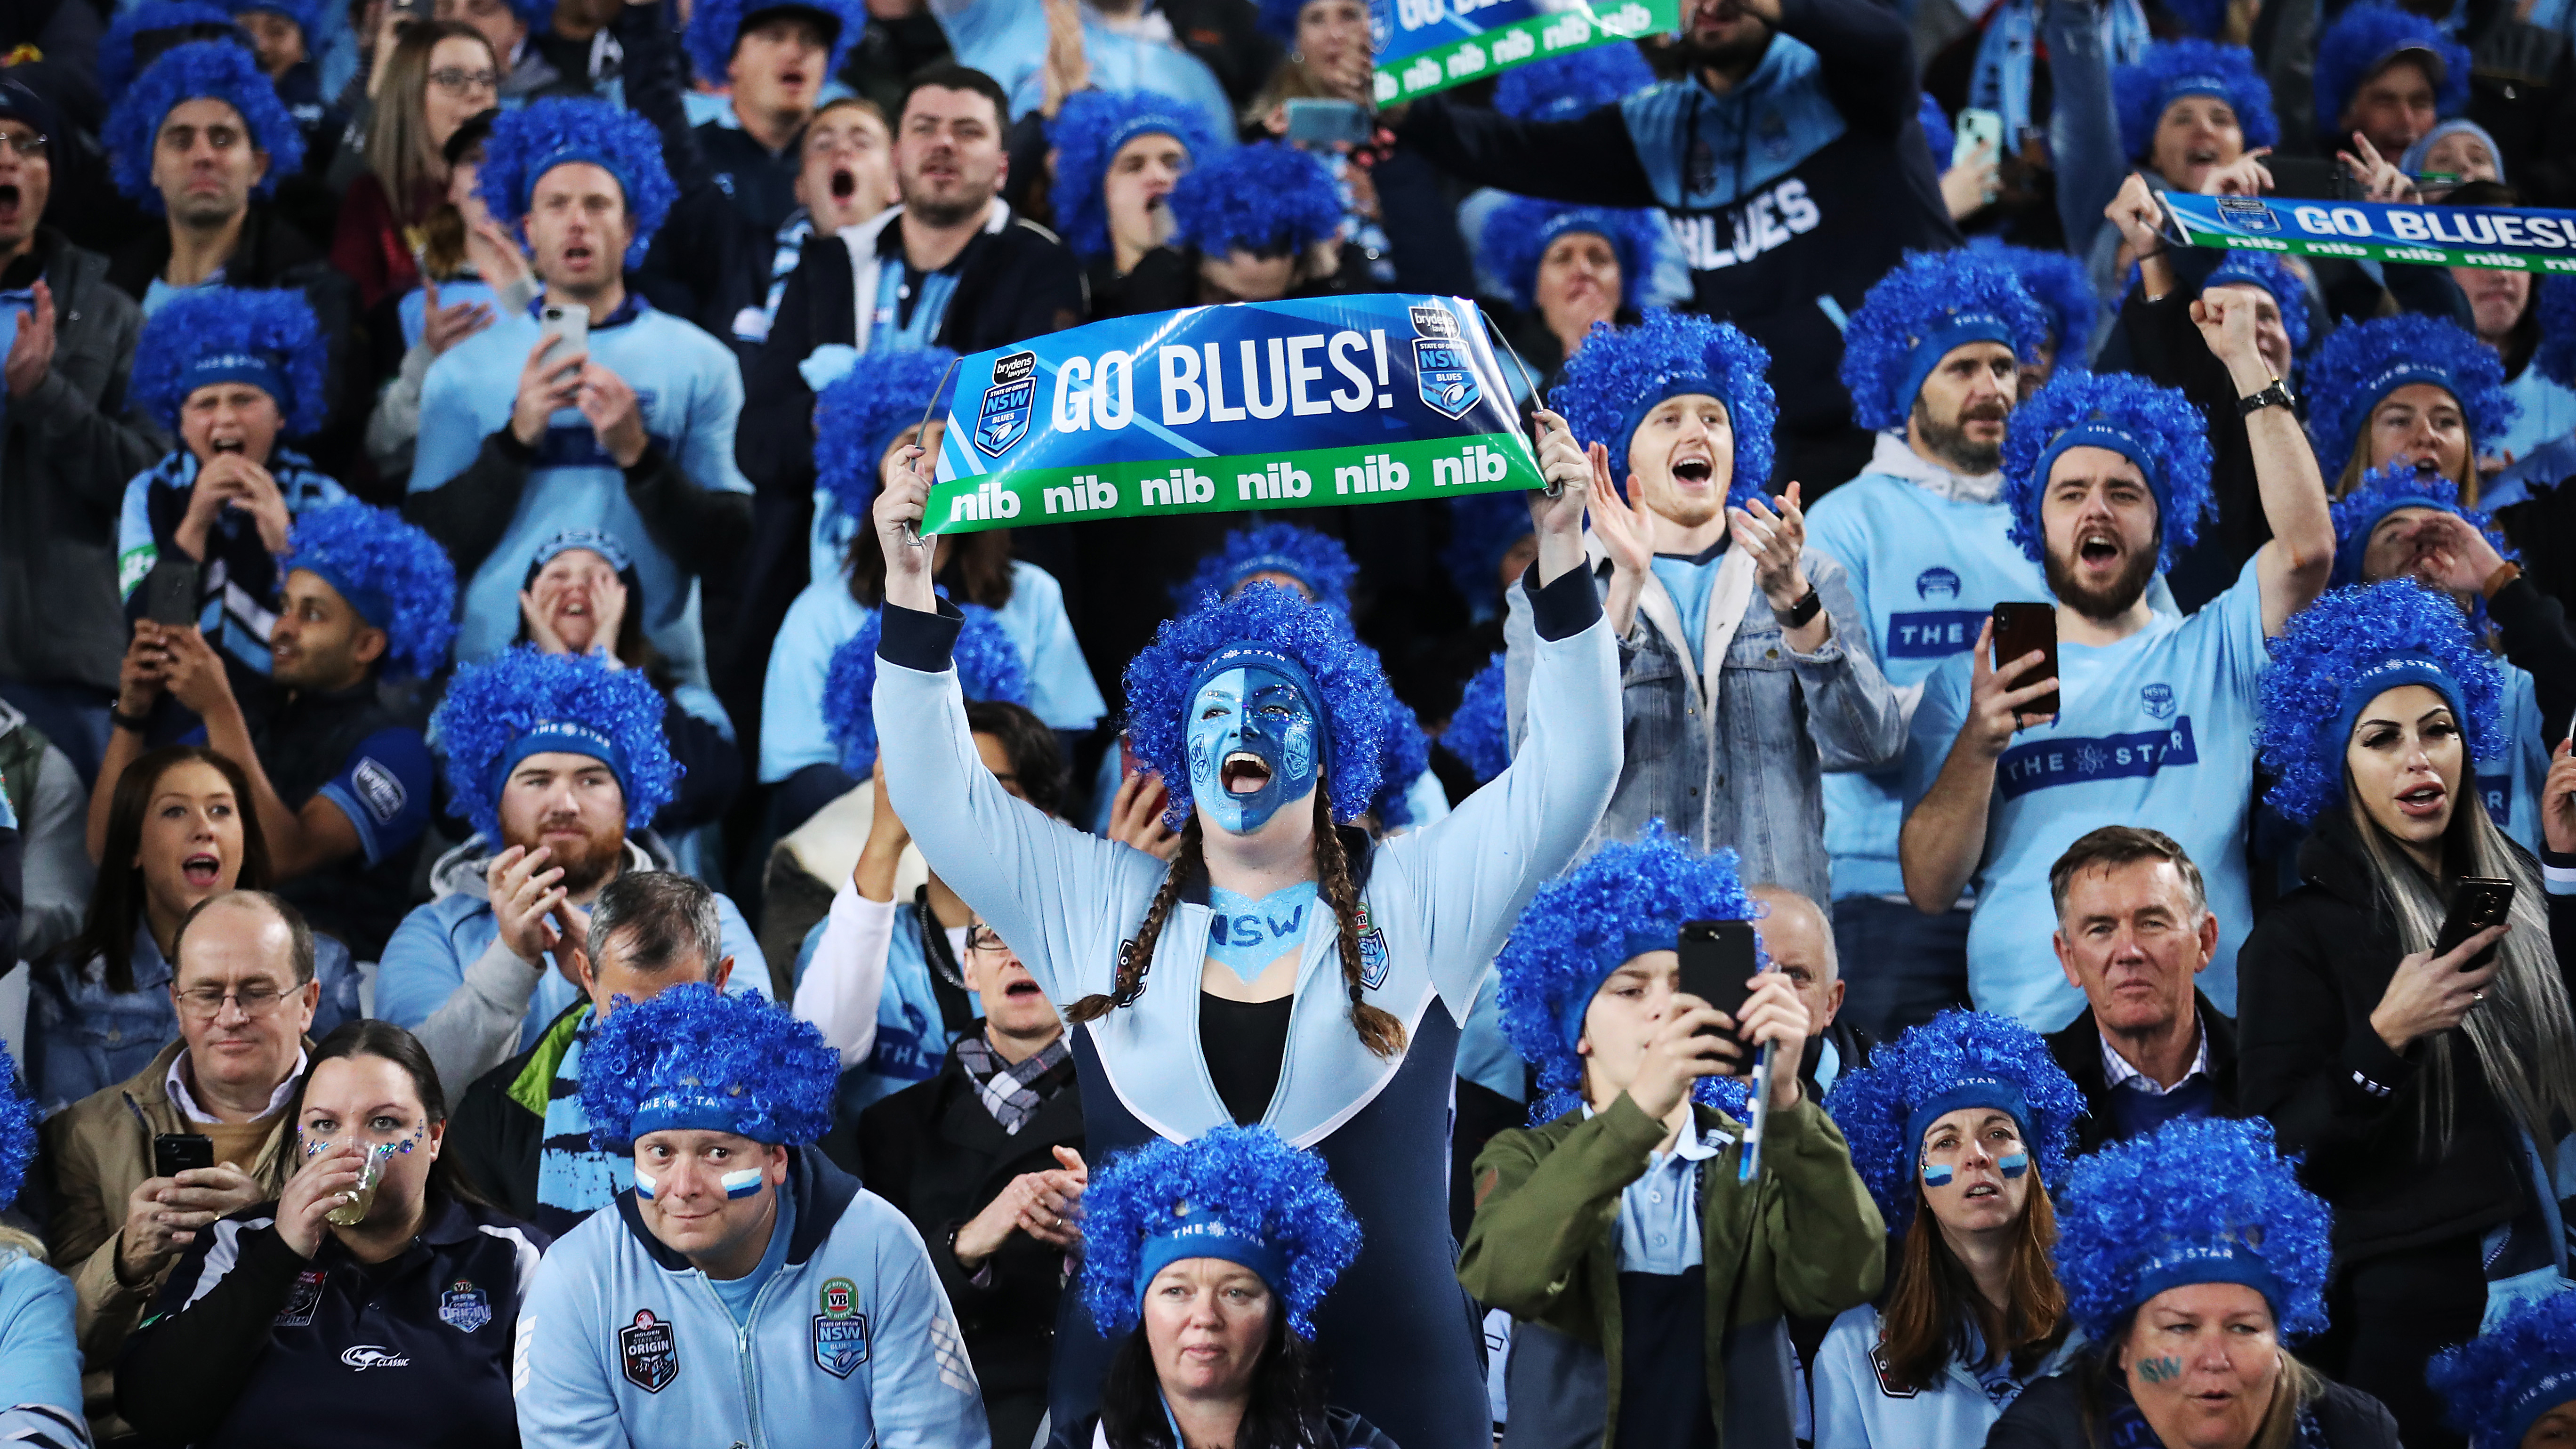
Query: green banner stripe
2498, 261
1539, 37
1317, 478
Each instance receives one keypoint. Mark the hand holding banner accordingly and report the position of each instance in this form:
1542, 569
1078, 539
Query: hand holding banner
1299, 404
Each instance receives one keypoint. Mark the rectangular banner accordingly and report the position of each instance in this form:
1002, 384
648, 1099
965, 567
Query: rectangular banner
1431, 45
1303, 404
2520, 239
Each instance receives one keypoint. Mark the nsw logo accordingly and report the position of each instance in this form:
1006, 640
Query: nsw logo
1936, 583
2247, 213
840, 1330
1003, 418
1445, 375
2158, 699
463, 1307
648, 1353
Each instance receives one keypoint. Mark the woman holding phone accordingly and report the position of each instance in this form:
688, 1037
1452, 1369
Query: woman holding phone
2412, 1081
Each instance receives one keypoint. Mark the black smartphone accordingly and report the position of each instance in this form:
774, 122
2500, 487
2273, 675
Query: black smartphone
2311, 178
2477, 903
1718, 963
2020, 628
175, 1152
171, 596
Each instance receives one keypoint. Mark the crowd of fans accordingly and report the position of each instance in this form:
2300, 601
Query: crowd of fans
535, 907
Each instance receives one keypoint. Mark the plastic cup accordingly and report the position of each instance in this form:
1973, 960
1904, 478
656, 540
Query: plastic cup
355, 1205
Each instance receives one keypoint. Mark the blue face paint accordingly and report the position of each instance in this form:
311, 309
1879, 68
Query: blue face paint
2014, 1164
1251, 714
1247, 934
1936, 1175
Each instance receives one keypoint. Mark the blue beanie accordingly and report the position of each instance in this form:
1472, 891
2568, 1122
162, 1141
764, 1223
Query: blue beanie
1519, 232
1316, 560
1088, 133
1259, 198
859, 415
211, 335
2274, 275
199, 19
527, 143
521, 702
2383, 491
392, 573
1917, 314
1622, 373
201, 69
2058, 284
1236, 1193
2154, 427
693, 1058
988, 667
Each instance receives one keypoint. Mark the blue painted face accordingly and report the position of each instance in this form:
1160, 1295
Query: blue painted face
1254, 747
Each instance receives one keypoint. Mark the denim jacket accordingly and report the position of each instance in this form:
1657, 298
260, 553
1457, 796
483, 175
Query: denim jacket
1750, 773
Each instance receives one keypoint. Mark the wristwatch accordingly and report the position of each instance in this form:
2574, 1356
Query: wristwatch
2278, 395
1809, 605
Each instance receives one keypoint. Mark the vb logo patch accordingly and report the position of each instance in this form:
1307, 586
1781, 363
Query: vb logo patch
1443, 371
1004, 416
301, 1300
463, 1307
647, 1353
840, 1330
1373, 958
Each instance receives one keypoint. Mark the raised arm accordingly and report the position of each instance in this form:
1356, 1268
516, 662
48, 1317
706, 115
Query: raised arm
2293, 568
1868, 59
1590, 159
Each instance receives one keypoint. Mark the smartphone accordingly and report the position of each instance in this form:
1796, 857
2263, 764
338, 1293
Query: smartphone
2020, 628
1976, 127
2477, 903
1315, 121
1718, 963
171, 593
2311, 178
570, 325
176, 1152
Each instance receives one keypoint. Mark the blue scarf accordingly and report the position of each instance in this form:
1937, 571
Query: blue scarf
573, 1177
2001, 80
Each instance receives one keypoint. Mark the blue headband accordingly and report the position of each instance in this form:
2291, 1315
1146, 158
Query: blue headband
1995, 1092
2398, 375
1213, 1238
590, 538
1663, 392
2531, 1401
1149, 123
2095, 433
1238, 656
1577, 1005
567, 156
2223, 1261
260, 372
2233, 273
569, 736
694, 1109
1956, 331
2349, 551
1583, 218
374, 605
2388, 674
2204, 84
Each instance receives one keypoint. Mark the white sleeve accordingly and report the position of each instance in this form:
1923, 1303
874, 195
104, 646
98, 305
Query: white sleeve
847, 976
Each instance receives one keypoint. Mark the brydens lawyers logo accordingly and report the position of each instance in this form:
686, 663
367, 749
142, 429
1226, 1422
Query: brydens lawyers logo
1004, 419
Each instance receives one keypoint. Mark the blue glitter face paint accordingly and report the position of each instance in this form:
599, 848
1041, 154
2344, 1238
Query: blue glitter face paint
1255, 726
2014, 1164
1247, 934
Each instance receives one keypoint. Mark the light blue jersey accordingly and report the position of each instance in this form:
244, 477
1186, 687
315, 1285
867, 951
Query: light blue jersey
2510, 783
40, 1363
2548, 411
1007, 40
414, 306
912, 1032
690, 389
2157, 731
793, 731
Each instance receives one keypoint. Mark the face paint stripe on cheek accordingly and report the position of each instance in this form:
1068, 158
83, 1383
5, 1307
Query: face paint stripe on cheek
741, 1184
1936, 1175
2014, 1164
646, 1185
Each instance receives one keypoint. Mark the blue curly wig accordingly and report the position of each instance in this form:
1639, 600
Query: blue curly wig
1260, 198
2500, 1383
2364, 39
857, 417
1357, 705
1519, 232
306, 14
1938, 133
1623, 372
1480, 730
2058, 284
1628, 899
2198, 1200
1408, 758
1088, 133
2363, 362
527, 143
116, 48
1237, 1190
17, 1132
1571, 85
695, 1058
2343, 651
1316, 560
2153, 427
519, 701
2555, 357
1957, 1059
2274, 275
988, 667
1917, 314
212, 69
394, 574
1482, 529
2383, 491
210, 335
2173, 69
716, 25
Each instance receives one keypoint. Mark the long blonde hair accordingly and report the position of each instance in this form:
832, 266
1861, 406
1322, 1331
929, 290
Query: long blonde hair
400, 152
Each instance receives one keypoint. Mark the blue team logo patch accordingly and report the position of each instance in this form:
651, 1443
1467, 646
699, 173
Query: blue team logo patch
1936, 583
1003, 419
463, 1307
1445, 376
2247, 213
648, 1352
840, 1330
1373, 957
2158, 700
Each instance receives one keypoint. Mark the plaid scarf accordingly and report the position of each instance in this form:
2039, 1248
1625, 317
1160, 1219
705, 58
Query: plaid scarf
1009, 1089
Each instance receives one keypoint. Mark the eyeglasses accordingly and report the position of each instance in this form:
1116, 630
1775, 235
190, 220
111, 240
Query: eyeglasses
205, 1003
984, 938
30, 147
457, 81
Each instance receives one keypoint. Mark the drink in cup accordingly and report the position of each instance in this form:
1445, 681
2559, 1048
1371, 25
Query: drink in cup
355, 1205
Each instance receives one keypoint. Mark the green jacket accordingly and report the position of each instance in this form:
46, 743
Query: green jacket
1544, 1246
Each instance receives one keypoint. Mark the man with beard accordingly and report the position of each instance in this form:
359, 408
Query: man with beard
2108, 477
557, 760
1789, 156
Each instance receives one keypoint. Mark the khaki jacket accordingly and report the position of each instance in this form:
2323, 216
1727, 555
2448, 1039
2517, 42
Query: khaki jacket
100, 1155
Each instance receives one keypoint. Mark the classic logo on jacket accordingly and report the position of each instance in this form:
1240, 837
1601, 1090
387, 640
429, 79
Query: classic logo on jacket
302, 1299
840, 1330
647, 1352
1004, 419
463, 1307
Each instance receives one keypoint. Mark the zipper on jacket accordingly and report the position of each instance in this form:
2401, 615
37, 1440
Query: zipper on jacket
742, 1348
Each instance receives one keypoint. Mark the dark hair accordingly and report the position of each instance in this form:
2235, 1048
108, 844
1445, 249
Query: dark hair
979, 569
840, 103
665, 916
1932, 1300
1037, 757
1286, 1411
370, 1037
2113, 846
299, 954
470, 135
947, 75
116, 901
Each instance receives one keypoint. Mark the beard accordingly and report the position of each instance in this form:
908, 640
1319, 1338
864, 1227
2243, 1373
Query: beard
585, 866
2107, 603
1949, 441
1740, 51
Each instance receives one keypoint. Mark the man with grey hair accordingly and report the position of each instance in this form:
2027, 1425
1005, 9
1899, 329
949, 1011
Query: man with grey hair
520, 1133
2134, 931
1800, 942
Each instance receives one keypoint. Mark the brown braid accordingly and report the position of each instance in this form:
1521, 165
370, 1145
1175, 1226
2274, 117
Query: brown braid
1136, 954
1378, 1028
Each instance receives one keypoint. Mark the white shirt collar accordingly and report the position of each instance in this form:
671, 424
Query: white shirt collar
2117, 1071
1893, 456
176, 1084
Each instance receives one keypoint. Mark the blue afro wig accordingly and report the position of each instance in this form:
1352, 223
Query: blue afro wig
394, 574
1237, 1187
2153, 427
1482, 529
2173, 69
2274, 275
306, 14
1572, 85
2383, 491
2500, 1383
1316, 560
210, 335
1408, 758
2058, 284
1957, 1059
1938, 133
2343, 651
988, 667
17, 1132
201, 19
2363, 362
1480, 731
1087, 135
1359, 709
527, 143
1623, 372
519, 701
1520, 231
2556, 355
1918, 314
2364, 39
695, 1058
2198, 1200
715, 26
857, 417
212, 69
1628, 899
1265, 198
